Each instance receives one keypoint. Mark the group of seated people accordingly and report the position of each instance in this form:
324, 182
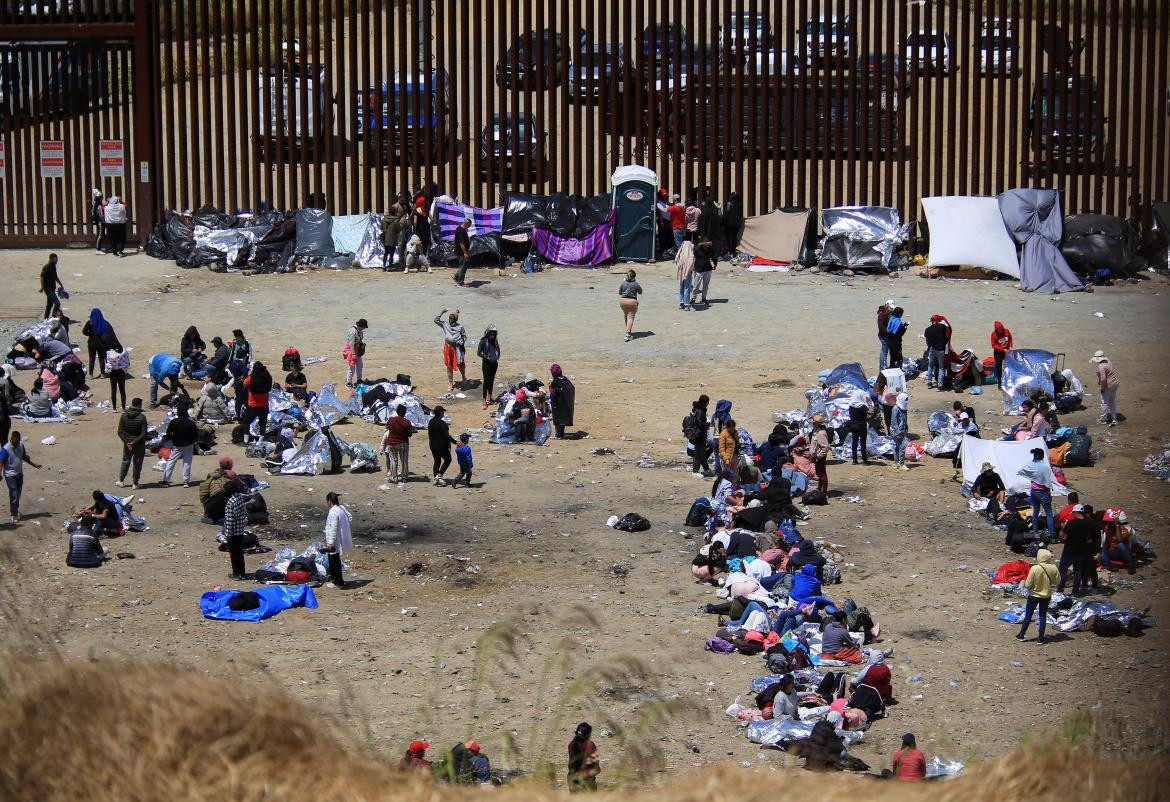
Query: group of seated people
529, 407
87, 527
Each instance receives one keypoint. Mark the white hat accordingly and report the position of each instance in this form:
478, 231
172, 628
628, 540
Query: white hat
964, 416
890, 303
1099, 356
902, 401
97, 193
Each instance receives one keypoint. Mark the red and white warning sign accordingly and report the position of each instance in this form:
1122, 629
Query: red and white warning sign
52, 158
112, 158
3, 160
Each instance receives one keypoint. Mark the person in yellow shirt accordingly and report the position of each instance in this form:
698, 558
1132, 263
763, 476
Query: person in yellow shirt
1042, 578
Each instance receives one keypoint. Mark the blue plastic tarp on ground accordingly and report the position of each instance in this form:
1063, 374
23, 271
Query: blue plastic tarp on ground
273, 599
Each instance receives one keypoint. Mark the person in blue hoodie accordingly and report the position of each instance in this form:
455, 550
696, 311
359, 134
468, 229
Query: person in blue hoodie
895, 329
806, 588
164, 370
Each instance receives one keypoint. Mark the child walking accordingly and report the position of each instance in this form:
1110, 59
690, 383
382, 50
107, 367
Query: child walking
463, 455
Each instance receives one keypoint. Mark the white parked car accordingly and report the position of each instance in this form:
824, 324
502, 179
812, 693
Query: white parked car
929, 51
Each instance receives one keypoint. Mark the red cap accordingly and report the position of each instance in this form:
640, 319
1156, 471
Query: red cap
419, 746
472, 745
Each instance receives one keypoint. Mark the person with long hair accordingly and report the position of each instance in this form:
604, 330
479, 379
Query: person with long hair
488, 352
628, 294
257, 384
100, 338
583, 764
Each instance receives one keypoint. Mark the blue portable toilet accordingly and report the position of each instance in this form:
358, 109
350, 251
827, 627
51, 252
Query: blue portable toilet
635, 192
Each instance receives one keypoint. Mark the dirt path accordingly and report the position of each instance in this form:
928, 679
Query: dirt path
535, 529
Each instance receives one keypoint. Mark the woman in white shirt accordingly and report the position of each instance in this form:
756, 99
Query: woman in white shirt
338, 537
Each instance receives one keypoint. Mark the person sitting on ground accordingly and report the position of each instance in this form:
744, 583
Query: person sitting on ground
220, 360
215, 490
523, 417
806, 587
1023, 429
1118, 547
85, 549
481, 767
583, 763
416, 756
988, 484
295, 383
779, 700
1080, 444
807, 554
909, 764
38, 404
211, 405
836, 643
958, 408
100, 516
772, 455
709, 562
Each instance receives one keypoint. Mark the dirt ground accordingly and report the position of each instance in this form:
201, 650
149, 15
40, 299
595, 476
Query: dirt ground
527, 547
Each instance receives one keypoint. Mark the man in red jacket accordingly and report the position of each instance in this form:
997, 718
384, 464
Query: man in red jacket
1001, 343
396, 445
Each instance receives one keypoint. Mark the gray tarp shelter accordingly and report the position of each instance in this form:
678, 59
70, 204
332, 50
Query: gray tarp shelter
1033, 217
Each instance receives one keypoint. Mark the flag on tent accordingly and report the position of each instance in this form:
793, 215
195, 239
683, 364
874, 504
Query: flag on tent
483, 221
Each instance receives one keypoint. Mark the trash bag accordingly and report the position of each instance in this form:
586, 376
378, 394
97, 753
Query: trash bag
178, 229
156, 244
632, 522
1093, 241
485, 250
211, 217
523, 212
1156, 236
561, 214
314, 233
591, 213
442, 252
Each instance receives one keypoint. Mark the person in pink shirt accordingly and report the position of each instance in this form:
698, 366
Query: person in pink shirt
1107, 383
909, 764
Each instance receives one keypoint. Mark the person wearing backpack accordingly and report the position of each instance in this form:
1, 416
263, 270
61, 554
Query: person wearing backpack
694, 427
354, 351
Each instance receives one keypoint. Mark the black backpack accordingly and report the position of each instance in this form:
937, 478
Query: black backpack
692, 426
699, 512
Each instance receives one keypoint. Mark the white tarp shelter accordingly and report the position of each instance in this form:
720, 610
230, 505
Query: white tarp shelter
1008, 456
970, 231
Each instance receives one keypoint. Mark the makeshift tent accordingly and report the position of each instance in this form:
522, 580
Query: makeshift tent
1026, 370
635, 189
778, 235
1008, 456
842, 381
347, 231
593, 249
862, 238
314, 233
1033, 218
970, 231
1095, 242
483, 221
1156, 236
524, 212
271, 598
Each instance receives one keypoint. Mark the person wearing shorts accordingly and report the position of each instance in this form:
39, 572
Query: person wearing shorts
454, 346
628, 301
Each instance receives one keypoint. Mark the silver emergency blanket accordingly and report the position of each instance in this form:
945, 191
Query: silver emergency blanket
315, 552
805, 676
327, 400
505, 431
862, 238
347, 231
771, 732
362, 457
38, 331
1033, 218
390, 396
937, 767
371, 252
1076, 617
315, 454
314, 233
1158, 465
1025, 370
948, 435
238, 245
876, 445
833, 402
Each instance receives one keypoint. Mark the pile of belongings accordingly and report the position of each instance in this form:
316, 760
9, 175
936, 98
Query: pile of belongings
124, 509
1069, 614
565, 229
505, 430
376, 399
313, 562
255, 605
1158, 464
862, 238
1101, 248
946, 434
841, 386
260, 242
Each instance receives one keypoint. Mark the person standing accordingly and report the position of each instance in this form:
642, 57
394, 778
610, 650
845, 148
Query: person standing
338, 537
1039, 473
132, 431
164, 371
239, 353
732, 222
454, 346
909, 764
628, 294
354, 353
1107, 383
936, 352
704, 267
677, 216
1042, 578
463, 455
258, 385
462, 250
488, 352
115, 217
97, 217
396, 446
727, 452
583, 763
12, 458
182, 432
100, 338
235, 519
563, 396
440, 440
684, 271
695, 427
898, 430
860, 408
421, 224
819, 452
391, 225
1077, 533
118, 365
50, 281
895, 329
883, 318
692, 213
1001, 343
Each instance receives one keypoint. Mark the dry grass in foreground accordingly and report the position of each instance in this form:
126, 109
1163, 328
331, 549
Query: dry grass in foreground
105, 731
